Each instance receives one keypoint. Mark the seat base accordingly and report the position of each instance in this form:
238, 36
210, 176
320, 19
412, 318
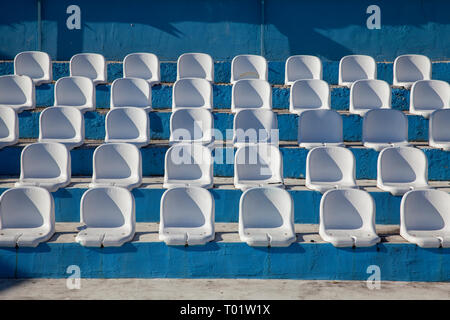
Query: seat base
268, 237
350, 237
104, 237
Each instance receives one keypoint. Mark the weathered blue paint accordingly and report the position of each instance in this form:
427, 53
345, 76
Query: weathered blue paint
399, 262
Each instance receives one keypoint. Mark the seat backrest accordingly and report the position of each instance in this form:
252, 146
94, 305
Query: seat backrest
188, 162
251, 94
61, 123
402, 164
107, 207
266, 207
127, 123
357, 67
191, 124
9, 122
255, 126
26, 207
116, 161
192, 93
430, 94
74, 91
438, 125
187, 207
425, 210
312, 94
256, 162
322, 126
370, 94
35, 64
44, 160
195, 65
16, 90
330, 164
90, 65
248, 66
301, 67
411, 68
131, 92
141, 65
385, 125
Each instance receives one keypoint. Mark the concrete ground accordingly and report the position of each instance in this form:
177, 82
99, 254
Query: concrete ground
217, 289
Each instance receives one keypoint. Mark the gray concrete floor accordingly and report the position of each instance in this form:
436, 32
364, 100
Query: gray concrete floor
217, 289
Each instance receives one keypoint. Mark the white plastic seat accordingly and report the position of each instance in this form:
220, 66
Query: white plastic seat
310, 94
109, 216
131, 92
255, 126
188, 165
90, 65
27, 217
46, 165
9, 127
248, 66
318, 128
142, 65
347, 218
63, 124
302, 67
384, 128
195, 65
439, 129
425, 218
192, 126
35, 64
117, 164
330, 167
187, 216
356, 67
369, 94
251, 94
429, 95
76, 92
192, 93
410, 68
266, 217
400, 169
17, 92
258, 165
129, 125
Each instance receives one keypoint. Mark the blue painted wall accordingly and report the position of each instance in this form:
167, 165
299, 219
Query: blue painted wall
224, 28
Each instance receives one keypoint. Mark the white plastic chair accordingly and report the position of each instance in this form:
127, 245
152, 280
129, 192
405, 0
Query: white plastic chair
311, 94
46, 165
35, 64
186, 216
425, 218
330, 167
27, 217
266, 217
117, 164
318, 128
356, 67
384, 128
439, 129
258, 166
63, 124
142, 65
76, 92
109, 216
400, 169
347, 218
195, 65
410, 68
248, 66
255, 126
131, 92
302, 67
192, 93
129, 125
17, 92
188, 165
192, 126
90, 65
251, 94
370, 94
9, 127
429, 95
